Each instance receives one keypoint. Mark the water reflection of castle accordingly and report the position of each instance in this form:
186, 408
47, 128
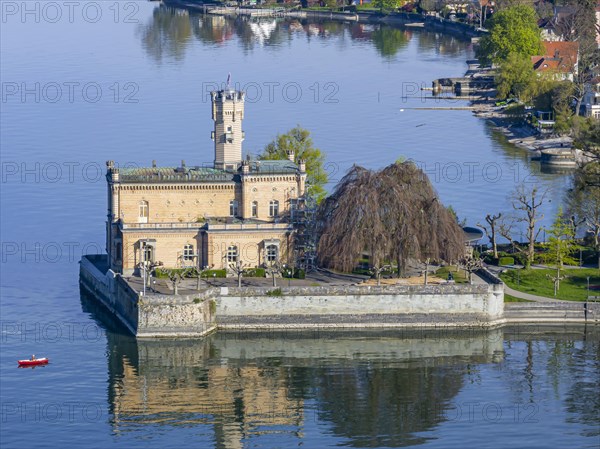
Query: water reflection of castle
384, 387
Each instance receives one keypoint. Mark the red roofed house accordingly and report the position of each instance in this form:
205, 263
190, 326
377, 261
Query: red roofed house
560, 58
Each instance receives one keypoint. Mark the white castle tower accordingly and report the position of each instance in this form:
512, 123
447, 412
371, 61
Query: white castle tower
228, 114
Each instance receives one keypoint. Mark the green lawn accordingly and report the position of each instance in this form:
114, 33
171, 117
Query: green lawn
536, 282
459, 275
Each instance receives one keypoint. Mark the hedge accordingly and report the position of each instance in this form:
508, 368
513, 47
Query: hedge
255, 273
506, 261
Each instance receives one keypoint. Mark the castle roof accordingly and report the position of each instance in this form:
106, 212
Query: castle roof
203, 174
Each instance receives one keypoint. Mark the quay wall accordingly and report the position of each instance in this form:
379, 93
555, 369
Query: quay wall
110, 289
340, 307
150, 316
360, 306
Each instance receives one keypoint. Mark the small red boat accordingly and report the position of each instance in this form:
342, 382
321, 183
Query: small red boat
34, 361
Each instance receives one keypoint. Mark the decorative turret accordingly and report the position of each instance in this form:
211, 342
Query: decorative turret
112, 171
228, 114
245, 167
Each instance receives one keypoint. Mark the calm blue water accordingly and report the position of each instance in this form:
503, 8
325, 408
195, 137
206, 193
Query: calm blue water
130, 88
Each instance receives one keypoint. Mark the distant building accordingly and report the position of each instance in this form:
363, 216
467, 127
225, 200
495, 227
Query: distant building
591, 99
560, 59
193, 216
598, 24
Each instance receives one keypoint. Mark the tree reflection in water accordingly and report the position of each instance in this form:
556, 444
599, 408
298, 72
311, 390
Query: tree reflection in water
168, 33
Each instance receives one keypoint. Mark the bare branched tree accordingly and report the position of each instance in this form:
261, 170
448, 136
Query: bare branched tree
198, 273
526, 201
470, 265
377, 271
393, 214
274, 268
583, 206
176, 276
238, 268
491, 231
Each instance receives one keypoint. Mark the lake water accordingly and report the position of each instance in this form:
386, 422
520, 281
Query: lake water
127, 81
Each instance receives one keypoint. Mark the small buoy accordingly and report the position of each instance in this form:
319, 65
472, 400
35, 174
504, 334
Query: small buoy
401, 110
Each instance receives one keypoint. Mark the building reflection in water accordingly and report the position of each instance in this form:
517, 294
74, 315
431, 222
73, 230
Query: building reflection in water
170, 31
372, 388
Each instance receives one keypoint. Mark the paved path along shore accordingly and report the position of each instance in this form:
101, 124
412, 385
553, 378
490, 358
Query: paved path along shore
530, 297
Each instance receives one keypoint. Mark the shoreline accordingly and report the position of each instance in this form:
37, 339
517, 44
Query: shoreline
521, 136
310, 308
410, 20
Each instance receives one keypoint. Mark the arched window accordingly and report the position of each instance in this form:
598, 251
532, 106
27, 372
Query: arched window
147, 253
274, 208
188, 252
144, 212
233, 208
255, 209
232, 254
272, 253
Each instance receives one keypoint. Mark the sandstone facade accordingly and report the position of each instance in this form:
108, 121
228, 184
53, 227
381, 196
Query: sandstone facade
237, 210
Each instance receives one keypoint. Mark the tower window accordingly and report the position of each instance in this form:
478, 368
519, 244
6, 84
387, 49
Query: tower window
255, 209
233, 208
274, 208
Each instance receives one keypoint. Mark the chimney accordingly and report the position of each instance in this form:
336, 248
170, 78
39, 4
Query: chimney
154, 163
290, 155
302, 165
182, 163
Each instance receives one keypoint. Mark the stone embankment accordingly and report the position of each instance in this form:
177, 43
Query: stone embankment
559, 312
336, 307
328, 306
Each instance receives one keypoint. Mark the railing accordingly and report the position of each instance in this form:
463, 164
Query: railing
247, 226
214, 227
176, 225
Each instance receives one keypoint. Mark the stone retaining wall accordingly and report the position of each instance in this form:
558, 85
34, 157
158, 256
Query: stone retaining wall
360, 306
150, 316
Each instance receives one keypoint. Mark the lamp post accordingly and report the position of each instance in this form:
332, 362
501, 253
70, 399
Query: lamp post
144, 266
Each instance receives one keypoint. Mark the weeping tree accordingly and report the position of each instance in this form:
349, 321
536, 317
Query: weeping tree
393, 214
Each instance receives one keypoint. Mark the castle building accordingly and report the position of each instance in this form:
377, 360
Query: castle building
193, 216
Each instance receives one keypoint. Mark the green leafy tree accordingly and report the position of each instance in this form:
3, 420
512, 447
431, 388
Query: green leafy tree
560, 247
512, 30
387, 5
516, 77
299, 141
